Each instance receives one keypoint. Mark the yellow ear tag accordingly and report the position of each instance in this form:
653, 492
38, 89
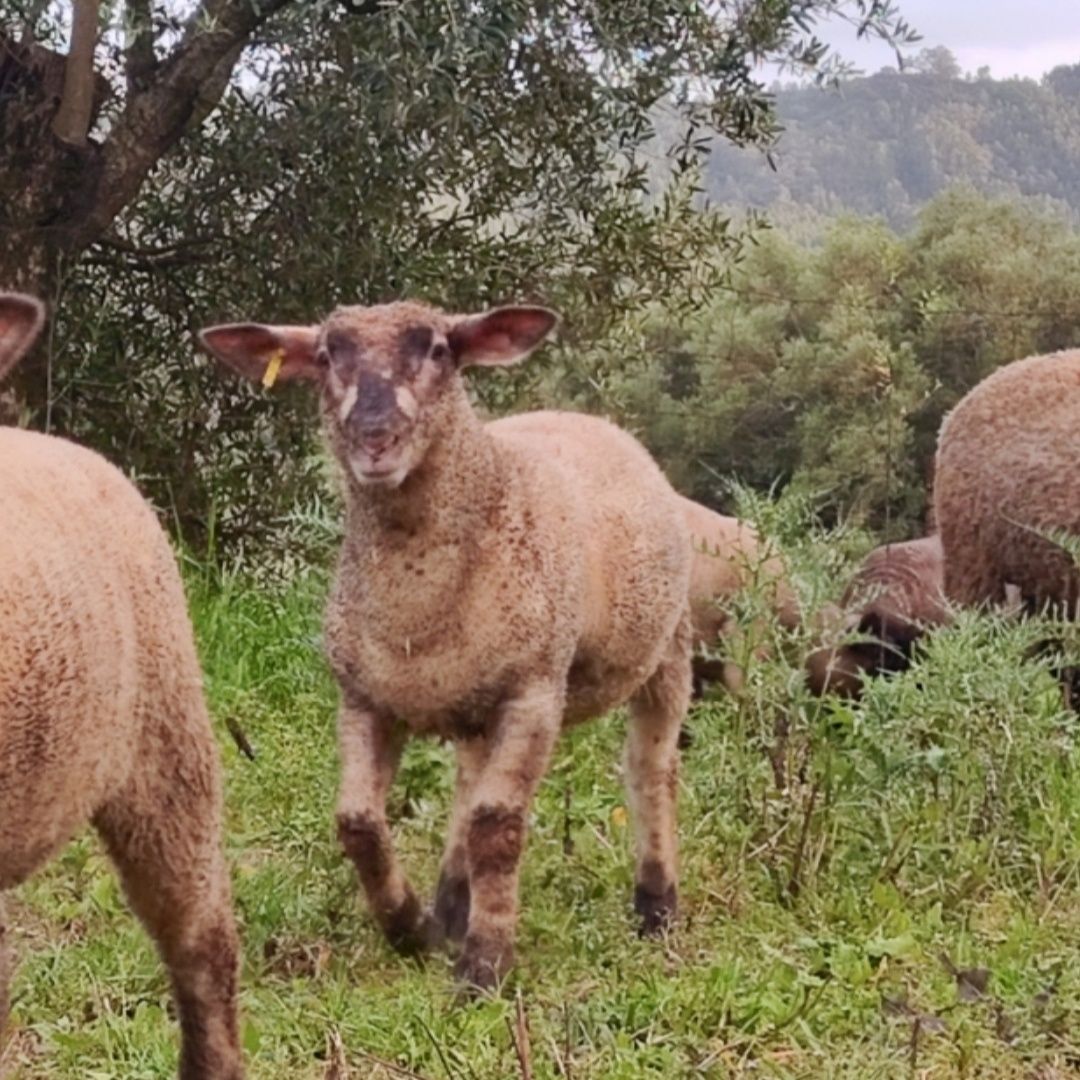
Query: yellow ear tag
273, 369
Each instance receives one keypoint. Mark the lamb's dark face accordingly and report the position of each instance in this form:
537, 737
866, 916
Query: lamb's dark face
384, 371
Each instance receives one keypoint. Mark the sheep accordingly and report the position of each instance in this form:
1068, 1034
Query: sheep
102, 717
496, 582
1006, 476
727, 558
894, 598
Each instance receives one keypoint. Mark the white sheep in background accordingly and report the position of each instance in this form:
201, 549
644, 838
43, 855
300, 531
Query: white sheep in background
729, 557
102, 715
496, 582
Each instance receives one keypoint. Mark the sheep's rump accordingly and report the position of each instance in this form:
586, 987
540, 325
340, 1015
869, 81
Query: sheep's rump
1008, 469
636, 542
92, 623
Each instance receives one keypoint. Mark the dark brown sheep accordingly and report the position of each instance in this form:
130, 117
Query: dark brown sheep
894, 598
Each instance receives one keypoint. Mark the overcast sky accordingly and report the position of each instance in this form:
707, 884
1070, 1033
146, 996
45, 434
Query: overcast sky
1012, 37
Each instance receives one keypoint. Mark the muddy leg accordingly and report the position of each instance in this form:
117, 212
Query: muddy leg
5, 972
164, 838
451, 910
652, 771
370, 751
495, 829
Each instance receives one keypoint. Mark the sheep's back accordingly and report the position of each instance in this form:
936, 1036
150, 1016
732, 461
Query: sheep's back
902, 579
636, 542
728, 557
93, 635
1008, 468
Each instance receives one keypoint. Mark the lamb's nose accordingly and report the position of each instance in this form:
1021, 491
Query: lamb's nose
377, 440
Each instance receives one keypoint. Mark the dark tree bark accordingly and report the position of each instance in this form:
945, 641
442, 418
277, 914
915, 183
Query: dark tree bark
60, 186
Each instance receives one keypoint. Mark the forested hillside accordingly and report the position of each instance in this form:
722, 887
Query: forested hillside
887, 143
828, 365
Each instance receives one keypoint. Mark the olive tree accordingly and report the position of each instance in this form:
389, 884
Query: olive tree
168, 162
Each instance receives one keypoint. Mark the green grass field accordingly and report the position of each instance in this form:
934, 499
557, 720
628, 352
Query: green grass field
886, 890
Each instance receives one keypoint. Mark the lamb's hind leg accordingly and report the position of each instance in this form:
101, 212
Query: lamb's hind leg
163, 833
370, 751
5, 972
652, 770
518, 753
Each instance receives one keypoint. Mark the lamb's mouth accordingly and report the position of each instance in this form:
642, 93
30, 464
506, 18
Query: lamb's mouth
384, 471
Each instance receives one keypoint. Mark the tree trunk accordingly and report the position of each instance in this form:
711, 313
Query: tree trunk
43, 186
60, 189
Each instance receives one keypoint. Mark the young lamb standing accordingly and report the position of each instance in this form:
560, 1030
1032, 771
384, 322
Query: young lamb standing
895, 597
496, 582
102, 717
1007, 471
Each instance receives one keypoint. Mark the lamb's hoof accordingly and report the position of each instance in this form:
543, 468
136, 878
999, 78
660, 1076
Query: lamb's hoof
450, 914
408, 929
482, 967
656, 910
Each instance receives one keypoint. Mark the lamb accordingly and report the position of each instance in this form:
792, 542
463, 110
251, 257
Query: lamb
1007, 471
496, 582
102, 717
894, 598
727, 558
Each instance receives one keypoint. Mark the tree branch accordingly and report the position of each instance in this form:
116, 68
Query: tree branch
188, 84
30, 19
139, 57
72, 121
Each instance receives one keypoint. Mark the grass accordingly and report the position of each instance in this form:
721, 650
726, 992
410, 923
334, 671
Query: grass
886, 890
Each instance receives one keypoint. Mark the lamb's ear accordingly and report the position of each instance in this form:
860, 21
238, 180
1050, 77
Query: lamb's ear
500, 337
265, 353
21, 318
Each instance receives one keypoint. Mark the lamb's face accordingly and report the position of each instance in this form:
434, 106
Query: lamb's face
385, 372
387, 369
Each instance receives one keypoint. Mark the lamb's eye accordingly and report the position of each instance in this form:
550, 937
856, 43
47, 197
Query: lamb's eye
441, 353
322, 357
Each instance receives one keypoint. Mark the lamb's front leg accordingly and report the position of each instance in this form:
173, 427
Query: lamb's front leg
370, 747
450, 913
520, 747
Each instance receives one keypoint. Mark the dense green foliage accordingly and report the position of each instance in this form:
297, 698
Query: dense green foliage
869, 890
829, 363
831, 856
888, 143
468, 153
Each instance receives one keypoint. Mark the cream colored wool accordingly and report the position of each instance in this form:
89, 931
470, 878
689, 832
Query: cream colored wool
102, 720
536, 574
1008, 469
